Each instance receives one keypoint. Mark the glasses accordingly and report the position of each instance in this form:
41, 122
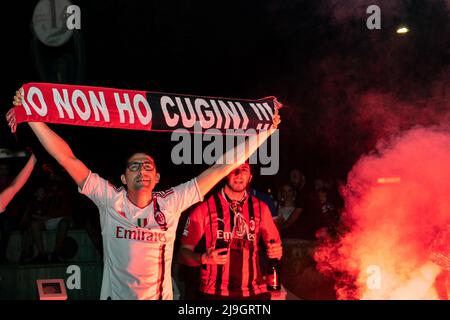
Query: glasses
136, 166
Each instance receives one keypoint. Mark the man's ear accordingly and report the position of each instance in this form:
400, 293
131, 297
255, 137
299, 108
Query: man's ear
157, 177
250, 179
122, 178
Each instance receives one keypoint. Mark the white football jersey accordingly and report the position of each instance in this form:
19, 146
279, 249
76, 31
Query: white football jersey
138, 242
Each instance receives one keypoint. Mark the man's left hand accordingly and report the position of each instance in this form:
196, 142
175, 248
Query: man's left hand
274, 251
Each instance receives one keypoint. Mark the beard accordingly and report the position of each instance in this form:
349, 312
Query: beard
237, 187
144, 183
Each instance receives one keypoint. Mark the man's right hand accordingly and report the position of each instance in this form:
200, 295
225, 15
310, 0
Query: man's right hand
18, 97
214, 256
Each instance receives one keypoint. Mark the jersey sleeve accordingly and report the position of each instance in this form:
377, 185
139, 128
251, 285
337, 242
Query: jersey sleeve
194, 227
99, 190
2, 208
184, 196
269, 230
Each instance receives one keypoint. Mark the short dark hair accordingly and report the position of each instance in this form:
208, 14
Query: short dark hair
130, 154
134, 148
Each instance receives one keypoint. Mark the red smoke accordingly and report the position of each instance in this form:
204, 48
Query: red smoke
384, 251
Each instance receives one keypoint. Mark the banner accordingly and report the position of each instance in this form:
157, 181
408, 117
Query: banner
138, 110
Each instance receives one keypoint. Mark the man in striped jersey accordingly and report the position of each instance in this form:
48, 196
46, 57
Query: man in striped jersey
138, 225
231, 223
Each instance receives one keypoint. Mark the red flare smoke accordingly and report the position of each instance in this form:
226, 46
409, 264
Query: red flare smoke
384, 251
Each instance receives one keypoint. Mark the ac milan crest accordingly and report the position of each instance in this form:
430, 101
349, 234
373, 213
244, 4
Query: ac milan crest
240, 226
160, 218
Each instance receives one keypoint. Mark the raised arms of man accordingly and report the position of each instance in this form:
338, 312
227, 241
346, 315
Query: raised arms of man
61, 151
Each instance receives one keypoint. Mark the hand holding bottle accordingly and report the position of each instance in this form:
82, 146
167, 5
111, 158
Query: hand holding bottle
274, 250
273, 280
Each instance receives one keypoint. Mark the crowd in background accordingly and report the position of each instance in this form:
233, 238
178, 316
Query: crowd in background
301, 208
47, 202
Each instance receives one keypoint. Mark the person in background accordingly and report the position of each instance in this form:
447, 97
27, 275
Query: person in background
297, 181
51, 210
230, 223
286, 207
9, 191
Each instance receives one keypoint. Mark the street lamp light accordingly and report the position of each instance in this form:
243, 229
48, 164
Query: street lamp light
402, 30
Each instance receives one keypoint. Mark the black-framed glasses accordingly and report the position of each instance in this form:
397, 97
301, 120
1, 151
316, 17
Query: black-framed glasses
136, 166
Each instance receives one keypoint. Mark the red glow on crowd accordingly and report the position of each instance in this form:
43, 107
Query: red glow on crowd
389, 226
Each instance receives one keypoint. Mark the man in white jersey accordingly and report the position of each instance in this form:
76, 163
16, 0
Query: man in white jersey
138, 225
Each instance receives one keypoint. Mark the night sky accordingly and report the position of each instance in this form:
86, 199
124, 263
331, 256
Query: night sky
346, 88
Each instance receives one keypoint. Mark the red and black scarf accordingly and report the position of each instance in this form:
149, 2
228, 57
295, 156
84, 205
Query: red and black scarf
139, 110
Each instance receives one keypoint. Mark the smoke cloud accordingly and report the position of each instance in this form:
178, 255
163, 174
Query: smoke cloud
391, 94
397, 199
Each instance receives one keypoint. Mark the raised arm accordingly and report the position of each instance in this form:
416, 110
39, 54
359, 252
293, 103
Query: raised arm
8, 194
211, 176
57, 148
61, 151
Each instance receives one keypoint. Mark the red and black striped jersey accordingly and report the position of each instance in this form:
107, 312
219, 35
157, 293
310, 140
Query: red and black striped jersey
213, 219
